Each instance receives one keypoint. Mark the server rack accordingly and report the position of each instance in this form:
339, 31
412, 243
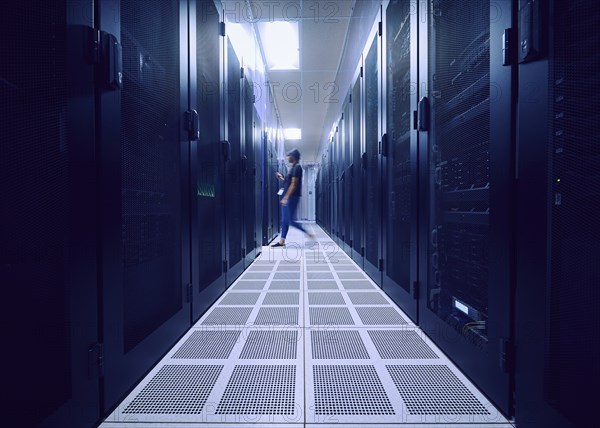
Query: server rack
48, 215
399, 154
206, 156
143, 153
233, 177
373, 262
465, 162
357, 139
259, 141
347, 178
557, 297
249, 170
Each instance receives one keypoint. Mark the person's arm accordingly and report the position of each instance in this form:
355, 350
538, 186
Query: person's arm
279, 176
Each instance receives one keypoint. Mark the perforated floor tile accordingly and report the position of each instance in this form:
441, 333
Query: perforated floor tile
367, 298
337, 344
261, 268
357, 285
289, 268
256, 275
318, 268
351, 275
349, 390
345, 267
286, 275
322, 285
434, 390
205, 344
285, 285
319, 275
380, 316
401, 344
227, 316
260, 390
248, 285
248, 299
326, 298
277, 315
271, 345
282, 299
176, 389
330, 316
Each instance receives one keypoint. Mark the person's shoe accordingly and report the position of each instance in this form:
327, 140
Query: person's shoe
279, 244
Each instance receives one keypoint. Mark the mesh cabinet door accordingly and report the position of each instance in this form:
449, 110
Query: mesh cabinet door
466, 160
207, 157
372, 168
233, 168
400, 160
357, 173
144, 177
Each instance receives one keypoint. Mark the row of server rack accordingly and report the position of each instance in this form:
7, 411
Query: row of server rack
138, 181
463, 175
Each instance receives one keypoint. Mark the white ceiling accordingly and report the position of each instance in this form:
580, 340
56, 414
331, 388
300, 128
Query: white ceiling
323, 25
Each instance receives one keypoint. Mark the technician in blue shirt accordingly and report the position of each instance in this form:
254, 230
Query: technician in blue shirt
292, 191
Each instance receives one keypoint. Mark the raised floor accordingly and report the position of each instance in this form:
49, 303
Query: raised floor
304, 338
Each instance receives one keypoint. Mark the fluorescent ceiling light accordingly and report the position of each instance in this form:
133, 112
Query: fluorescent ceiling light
281, 44
292, 133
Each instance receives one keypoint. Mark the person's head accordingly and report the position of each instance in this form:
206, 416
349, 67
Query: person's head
293, 156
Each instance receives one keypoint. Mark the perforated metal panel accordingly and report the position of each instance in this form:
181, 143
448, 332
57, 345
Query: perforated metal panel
368, 298
249, 285
289, 268
319, 275
318, 268
248, 299
322, 285
259, 390
228, 316
330, 316
280, 316
284, 285
177, 389
326, 299
337, 344
400, 344
357, 285
282, 299
434, 390
150, 161
270, 345
256, 275
286, 275
380, 316
214, 344
349, 390
350, 275
261, 268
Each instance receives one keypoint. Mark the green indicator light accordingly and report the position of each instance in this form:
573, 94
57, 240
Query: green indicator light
558, 180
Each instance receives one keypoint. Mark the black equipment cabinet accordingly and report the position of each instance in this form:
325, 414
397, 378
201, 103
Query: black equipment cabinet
48, 214
372, 172
347, 178
557, 297
233, 166
250, 179
206, 156
357, 169
466, 148
399, 154
143, 155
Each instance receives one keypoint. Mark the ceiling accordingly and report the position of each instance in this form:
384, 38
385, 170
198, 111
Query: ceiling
303, 97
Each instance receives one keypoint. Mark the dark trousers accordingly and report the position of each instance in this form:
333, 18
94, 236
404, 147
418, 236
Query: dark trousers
288, 214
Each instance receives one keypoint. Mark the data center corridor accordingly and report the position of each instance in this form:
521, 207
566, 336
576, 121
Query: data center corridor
305, 338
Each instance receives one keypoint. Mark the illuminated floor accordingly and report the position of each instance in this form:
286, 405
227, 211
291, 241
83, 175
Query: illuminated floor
305, 338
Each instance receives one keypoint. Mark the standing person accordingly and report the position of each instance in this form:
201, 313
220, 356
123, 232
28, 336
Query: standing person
292, 191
